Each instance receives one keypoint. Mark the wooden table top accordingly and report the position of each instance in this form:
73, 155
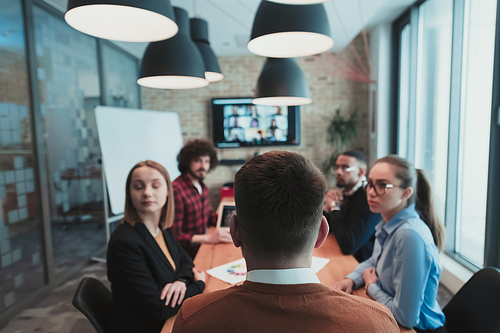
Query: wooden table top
213, 255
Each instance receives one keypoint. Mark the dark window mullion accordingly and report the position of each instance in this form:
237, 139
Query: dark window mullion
492, 247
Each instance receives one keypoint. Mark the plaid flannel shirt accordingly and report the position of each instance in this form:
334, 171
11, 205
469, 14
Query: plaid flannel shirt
193, 212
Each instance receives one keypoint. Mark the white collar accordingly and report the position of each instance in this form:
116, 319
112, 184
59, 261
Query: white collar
356, 187
283, 276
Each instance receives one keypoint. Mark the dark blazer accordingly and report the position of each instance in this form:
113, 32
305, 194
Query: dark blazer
138, 270
354, 225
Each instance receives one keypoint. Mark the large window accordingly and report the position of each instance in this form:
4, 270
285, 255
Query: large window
477, 80
444, 129
433, 95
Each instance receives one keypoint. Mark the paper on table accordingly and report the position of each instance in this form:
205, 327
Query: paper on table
236, 271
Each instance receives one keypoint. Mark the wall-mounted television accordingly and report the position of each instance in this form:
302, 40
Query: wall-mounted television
236, 122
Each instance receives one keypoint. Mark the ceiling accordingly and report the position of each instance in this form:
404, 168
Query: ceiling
230, 21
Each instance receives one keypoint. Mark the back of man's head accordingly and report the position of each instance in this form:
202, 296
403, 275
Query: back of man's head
279, 197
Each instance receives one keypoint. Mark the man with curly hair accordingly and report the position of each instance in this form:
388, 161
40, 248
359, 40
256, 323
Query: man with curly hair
193, 212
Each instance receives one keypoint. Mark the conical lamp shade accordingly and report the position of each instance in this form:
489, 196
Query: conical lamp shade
282, 82
199, 35
286, 31
123, 20
174, 63
298, 2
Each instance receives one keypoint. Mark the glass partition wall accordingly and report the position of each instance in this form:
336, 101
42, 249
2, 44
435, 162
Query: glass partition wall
21, 270
51, 78
69, 89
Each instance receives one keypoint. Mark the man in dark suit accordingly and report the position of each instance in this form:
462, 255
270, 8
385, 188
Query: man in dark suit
346, 208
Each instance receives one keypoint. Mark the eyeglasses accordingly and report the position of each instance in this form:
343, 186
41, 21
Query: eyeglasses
344, 168
379, 188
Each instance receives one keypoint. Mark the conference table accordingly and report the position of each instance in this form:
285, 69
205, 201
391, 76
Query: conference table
213, 255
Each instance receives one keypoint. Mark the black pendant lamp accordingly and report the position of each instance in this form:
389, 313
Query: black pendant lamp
174, 63
286, 31
123, 20
199, 34
282, 82
299, 2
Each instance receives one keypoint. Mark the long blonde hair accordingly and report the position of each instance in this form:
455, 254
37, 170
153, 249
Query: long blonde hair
422, 195
167, 213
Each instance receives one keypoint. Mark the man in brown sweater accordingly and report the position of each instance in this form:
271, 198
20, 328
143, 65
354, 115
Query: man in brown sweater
279, 198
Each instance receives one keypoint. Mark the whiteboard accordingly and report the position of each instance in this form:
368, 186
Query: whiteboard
128, 136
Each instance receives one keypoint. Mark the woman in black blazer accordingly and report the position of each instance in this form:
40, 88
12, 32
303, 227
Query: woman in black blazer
150, 273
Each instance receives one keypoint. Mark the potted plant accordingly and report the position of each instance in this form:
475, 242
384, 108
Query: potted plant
340, 131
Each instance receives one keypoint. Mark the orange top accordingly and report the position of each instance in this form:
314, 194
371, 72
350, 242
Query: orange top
163, 246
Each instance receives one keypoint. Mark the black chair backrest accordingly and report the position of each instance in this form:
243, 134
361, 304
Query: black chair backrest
476, 306
94, 300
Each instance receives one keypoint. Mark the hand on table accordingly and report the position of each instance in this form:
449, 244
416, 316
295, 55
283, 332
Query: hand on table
219, 236
174, 292
214, 237
199, 275
345, 285
332, 200
369, 276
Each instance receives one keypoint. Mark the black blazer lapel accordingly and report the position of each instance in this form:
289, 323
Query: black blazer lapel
148, 239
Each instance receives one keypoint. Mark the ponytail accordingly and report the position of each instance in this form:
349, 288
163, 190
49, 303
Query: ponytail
425, 206
422, 195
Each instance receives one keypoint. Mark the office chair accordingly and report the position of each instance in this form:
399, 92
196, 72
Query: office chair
94, 300
476, 306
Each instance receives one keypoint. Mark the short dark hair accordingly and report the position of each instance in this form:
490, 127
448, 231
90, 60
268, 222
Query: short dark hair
279, 199
193, 149
357, 155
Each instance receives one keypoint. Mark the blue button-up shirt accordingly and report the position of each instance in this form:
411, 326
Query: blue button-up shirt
406, 261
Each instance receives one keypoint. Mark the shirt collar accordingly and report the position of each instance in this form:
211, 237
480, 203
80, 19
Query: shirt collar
283, 276
188, 181
398, 219
356, 187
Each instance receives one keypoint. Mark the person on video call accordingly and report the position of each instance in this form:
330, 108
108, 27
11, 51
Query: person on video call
235, 119
150, 273
346, 208
278, 223
274, 132
403, 272
193, 211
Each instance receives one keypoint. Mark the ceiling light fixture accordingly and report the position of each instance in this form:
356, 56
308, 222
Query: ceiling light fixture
174, 63
282, 82
299, 2
199, 35
286, 31
123, 20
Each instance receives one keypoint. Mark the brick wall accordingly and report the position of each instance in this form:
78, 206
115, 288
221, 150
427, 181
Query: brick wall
329, 90
13, 78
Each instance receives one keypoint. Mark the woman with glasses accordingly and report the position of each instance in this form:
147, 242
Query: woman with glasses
404, 270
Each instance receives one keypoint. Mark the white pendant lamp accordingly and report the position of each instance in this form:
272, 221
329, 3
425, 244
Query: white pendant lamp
286, 31
199, 35
123, 20
175, 63
298, 2
282, 82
